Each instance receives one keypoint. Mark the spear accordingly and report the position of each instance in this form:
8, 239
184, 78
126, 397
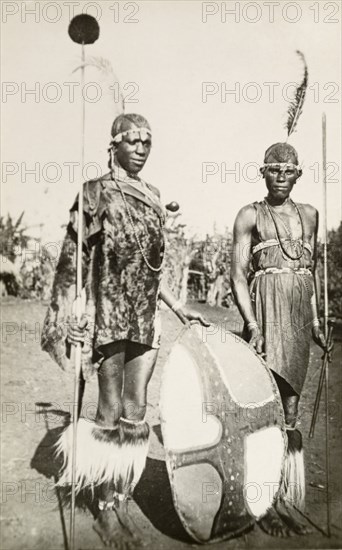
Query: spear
326, 317
328, 328
83, 29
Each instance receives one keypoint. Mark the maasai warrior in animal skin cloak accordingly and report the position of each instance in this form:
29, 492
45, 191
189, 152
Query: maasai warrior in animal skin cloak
120, 330
279, 306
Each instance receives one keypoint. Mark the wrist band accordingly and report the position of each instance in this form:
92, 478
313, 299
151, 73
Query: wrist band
104, 505
289, 428
121, 497
177, 305
315, 322
252, 324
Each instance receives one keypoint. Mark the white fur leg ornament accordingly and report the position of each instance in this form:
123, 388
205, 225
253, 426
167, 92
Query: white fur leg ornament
294, 472
264, 451
97, 454
134, 441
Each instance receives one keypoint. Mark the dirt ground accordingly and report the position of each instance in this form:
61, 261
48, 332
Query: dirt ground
36, 399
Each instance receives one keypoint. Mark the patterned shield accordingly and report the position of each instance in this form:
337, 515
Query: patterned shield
223, 431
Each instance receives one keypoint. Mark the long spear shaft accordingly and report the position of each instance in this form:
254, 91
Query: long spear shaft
78, 348
321, 379
325, 213
328, 328
83, 29
326, 314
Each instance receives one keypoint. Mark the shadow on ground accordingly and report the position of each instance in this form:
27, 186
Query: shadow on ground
154, 498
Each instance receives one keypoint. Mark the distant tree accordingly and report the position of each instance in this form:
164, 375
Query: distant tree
178, 257
12, 236
12, 241
212, 258
334, 256
27, 276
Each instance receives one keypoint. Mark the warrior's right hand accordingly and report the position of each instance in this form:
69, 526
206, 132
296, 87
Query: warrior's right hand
76, 331
256, 341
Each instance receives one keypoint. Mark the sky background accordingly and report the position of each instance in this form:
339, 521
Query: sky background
163, 54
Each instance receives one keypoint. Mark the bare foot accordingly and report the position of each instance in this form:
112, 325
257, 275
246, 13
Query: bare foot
128, 524
273, 525
292, 518
107, 527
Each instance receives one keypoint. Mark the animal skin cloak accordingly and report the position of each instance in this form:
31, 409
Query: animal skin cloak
121, 294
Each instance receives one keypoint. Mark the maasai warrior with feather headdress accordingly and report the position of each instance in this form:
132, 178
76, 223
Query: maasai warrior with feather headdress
120, 331
279, 305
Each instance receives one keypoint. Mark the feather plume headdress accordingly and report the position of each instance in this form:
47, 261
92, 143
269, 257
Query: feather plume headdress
284, 155
296, 105
105, 67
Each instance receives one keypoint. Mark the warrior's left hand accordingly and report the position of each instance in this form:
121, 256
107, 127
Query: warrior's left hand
188, 315
319, 339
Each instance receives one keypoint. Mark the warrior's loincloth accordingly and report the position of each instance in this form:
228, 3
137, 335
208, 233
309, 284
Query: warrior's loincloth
281, 290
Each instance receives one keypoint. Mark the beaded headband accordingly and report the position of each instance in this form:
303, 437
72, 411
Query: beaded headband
281, 166
143, 133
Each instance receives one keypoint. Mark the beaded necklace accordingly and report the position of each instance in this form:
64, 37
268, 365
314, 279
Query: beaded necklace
136, 236
294, 242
